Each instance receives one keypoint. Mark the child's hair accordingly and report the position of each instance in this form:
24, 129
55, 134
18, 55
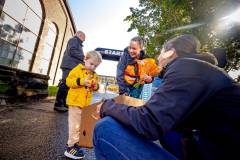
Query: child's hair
94, 54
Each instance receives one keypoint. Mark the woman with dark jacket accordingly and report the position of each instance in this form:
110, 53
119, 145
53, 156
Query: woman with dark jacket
131, 53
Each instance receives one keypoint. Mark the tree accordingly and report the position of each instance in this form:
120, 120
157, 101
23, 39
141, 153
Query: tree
159, 20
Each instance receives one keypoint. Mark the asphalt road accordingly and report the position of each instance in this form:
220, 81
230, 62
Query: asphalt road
33, 131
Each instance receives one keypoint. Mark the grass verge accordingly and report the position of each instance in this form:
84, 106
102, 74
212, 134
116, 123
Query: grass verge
52, 90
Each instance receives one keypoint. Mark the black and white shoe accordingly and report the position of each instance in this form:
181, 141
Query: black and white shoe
74, 152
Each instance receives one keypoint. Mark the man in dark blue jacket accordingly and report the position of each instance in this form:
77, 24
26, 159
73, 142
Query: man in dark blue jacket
196, 99
73, 55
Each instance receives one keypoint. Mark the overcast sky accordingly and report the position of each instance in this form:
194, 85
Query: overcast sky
102, 21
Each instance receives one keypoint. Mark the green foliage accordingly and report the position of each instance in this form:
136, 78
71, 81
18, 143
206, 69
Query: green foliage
52, 90
159, 20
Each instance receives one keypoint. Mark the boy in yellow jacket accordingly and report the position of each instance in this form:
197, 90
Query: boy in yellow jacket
82, 81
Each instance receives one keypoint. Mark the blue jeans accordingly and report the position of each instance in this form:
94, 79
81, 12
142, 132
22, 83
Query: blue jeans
113, 141
135, 92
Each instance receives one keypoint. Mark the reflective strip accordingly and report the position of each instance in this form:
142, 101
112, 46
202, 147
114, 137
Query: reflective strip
131, 78
73, 151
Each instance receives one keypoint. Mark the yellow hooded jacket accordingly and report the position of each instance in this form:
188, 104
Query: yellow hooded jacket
78, 94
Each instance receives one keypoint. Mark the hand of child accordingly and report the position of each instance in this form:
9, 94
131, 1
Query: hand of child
147, 78
94, 83
87, 83
90, 83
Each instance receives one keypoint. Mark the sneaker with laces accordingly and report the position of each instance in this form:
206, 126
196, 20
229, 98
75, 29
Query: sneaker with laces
74, 152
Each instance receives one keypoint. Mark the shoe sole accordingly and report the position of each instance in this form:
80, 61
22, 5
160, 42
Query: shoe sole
71, 156
60, 110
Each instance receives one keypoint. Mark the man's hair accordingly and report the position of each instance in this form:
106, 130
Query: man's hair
139, 40
78, 33
183, 44
94, 54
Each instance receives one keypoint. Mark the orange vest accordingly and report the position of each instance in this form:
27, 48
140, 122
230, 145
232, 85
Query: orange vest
134, 73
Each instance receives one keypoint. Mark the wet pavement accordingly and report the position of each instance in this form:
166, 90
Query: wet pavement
33, 131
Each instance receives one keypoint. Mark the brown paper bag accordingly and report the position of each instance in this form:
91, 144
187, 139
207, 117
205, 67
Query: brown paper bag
89, 120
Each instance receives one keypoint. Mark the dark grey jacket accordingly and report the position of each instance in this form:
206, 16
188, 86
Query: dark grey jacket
125, 59
73, 54
194, 95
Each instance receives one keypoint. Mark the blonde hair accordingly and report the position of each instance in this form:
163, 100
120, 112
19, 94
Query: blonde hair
139, 40
94, 54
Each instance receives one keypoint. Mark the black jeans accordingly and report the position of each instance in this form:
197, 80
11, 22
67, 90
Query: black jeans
61, 95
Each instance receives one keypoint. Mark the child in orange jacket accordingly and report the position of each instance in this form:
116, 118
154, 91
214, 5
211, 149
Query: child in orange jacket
139, 73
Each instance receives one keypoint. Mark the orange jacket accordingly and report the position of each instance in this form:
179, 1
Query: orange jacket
134, 73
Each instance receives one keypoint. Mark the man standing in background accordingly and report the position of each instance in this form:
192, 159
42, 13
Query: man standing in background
73, 55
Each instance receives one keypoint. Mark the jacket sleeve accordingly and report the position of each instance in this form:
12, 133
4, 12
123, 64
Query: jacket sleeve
173, 100
74, 50
74, 80
120, 73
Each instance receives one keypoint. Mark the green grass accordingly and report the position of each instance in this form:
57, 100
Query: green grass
3, 88
52, 90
